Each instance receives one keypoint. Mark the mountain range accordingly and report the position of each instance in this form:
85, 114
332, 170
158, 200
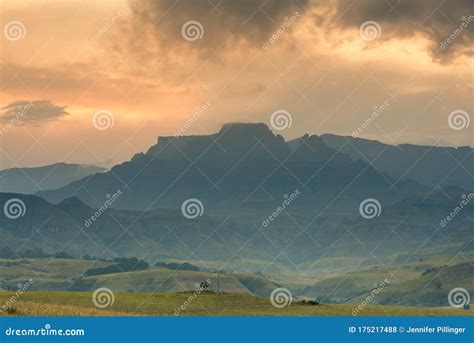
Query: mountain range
32, 180
241, 176
429, 165
242, 164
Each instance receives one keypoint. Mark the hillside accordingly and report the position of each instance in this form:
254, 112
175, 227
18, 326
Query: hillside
227, 237
67, 274
426, 282
429, 289
32, 180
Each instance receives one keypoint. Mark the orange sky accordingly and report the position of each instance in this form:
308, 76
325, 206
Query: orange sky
131, 59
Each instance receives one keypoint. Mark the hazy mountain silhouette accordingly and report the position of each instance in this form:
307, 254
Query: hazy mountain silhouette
241, 163
32, 180
429, 165
303, 232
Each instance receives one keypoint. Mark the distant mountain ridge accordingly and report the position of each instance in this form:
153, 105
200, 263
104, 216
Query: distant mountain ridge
241, 163
32, 180
429, 165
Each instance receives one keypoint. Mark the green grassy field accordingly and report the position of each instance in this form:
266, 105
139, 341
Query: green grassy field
205, 304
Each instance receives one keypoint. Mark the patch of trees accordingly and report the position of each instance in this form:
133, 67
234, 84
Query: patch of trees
433, 269
62, 254
121, 264
8, 253
178, 266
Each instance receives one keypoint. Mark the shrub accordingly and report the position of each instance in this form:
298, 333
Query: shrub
178, 266
122, 264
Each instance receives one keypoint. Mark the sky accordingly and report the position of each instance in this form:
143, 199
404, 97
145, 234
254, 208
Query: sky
98, 81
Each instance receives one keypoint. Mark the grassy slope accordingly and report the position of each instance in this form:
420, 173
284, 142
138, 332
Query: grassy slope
431, 289
80, 303
57, 275
349, 286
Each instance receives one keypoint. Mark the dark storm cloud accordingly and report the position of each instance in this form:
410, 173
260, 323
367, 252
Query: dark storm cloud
33, 112
449, 25
157, 25
223, 21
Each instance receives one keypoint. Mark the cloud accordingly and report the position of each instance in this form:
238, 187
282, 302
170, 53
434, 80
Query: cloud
32, 112
434, 19
224, 22
156, 26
